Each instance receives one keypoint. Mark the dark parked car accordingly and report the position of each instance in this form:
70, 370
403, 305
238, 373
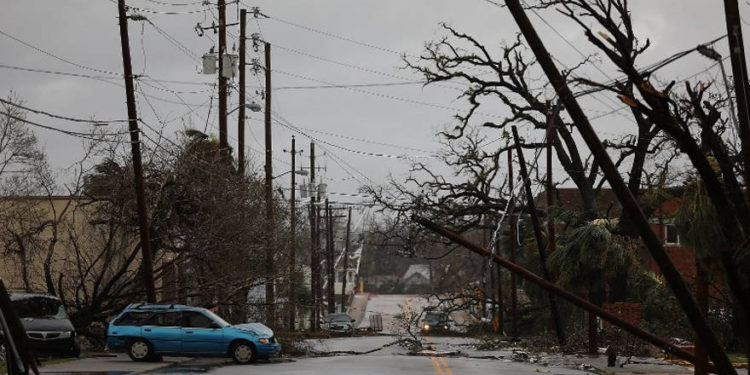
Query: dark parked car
338, 323
47, 325
436, 321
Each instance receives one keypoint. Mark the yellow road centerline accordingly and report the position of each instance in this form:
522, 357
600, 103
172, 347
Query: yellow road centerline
437, 366
445, 364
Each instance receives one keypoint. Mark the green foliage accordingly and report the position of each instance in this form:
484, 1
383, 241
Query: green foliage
589, 255
661, 314
698, 222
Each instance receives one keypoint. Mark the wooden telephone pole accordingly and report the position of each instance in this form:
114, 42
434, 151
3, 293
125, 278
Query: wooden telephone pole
241, 114
314, 261
271, 227
513, 286
330, 260
345, 260
293, 242
223, 144
559, 329
135, 148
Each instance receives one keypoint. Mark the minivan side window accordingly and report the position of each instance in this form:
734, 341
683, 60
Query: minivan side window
164, 319
194, 319
132, 318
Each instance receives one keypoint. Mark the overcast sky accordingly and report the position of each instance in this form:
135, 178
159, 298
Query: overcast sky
305, 34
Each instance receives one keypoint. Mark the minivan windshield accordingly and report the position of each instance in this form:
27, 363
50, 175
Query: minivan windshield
40, 308
216, 318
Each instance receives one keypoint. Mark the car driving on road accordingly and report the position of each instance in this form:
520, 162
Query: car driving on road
338, 323
148, 331
436, 322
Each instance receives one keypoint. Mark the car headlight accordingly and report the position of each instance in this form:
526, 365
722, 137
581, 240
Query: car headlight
65, 335
426, 327
264, 341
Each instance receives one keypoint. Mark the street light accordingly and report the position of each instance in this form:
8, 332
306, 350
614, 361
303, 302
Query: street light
707, 51
300, 172
255, 107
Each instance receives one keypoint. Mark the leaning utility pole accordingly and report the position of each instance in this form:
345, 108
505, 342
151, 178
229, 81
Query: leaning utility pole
539, 240
559, 329
513, 286
292, 242
241, 115
223, 144
550, 193
345, 260
739, 73
330, 261
135, 147
271, 230
624, 195
553, 288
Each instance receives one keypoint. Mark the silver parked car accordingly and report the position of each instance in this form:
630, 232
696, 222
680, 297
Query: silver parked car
338, 323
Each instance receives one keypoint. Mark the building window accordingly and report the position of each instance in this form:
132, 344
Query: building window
671, 237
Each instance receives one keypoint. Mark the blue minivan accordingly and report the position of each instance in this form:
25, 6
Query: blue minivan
148, 331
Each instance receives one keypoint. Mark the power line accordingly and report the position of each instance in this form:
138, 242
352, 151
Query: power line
347, 149
172, 40
360, 68
385, 96
37, 111
314, 87
90, 136
176, 4
325, 33
163, 12
145, 82
363, 140
38, 49
350, 40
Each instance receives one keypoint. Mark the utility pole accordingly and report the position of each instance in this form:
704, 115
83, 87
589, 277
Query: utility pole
559, 329
701, 296
739, 73
629, 204
241, 115
292, 242
135, 147
320, 257
499, 291
345, 261
271, 230
550, 193
223, 144
513, 287
330, 261
314, 262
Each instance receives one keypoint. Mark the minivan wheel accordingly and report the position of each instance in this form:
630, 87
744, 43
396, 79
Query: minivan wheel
243, 352
140, 350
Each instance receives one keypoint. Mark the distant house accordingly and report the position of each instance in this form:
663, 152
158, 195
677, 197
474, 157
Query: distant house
417, 278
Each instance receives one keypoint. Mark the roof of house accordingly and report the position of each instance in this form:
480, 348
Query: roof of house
422, 270
607, 202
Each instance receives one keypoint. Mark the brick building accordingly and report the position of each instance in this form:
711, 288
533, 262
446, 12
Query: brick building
661, 220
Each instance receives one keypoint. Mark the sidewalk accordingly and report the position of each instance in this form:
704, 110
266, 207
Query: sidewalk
118, 364
649, 366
